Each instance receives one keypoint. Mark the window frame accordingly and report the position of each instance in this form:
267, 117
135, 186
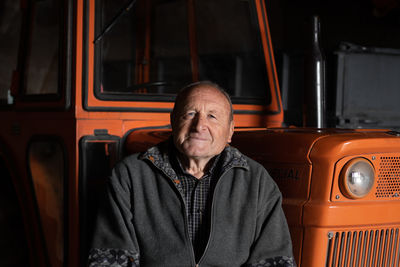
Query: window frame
93, 102
62, 99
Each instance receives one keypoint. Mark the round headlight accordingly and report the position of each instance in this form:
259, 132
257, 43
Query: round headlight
357, 178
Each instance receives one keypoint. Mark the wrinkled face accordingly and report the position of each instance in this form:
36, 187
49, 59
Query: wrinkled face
201, 125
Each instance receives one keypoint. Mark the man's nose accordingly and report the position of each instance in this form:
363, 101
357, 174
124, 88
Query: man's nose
199, 122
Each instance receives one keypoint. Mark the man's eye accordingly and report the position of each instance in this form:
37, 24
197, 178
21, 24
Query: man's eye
190, 114
212, 116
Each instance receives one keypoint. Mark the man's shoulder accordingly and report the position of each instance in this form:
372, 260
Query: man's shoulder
128, 161
154, 154
255, 167
238, 156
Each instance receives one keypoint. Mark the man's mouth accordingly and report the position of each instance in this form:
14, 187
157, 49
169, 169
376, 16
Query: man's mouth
198, 138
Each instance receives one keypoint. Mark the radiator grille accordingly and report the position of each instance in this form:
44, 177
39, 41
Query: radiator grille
388, 183
370, 248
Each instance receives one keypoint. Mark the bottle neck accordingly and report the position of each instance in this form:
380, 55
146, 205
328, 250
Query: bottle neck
315, 30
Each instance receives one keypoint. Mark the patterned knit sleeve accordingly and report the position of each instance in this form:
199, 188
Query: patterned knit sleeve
277, 261
112, 257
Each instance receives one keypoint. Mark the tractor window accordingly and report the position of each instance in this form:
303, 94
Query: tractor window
47, 168
42, 54
228, 47
10, 26
146, 49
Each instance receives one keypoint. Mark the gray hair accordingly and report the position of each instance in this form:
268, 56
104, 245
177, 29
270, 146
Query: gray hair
185, 90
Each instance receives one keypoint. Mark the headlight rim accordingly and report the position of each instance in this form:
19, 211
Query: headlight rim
343, 186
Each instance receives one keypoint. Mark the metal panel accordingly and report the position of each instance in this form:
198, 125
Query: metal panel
368, 248
388, 184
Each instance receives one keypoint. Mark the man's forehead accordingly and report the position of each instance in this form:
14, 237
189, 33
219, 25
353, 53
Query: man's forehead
210, 106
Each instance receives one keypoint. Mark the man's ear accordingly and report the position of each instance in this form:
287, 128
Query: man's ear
231, 131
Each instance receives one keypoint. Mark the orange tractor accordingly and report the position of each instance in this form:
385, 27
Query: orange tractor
85, 83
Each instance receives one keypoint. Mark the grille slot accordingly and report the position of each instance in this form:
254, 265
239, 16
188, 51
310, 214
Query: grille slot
388, 184
369, 248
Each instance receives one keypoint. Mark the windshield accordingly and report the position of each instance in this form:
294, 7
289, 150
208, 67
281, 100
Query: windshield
156, 47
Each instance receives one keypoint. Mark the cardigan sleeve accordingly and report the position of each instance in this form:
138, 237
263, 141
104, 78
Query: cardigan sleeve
272, 245
114, 242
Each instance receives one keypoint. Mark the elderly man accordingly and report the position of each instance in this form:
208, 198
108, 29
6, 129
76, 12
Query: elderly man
192, 200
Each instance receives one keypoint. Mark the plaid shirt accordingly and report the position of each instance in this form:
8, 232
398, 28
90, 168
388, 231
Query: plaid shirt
197, 194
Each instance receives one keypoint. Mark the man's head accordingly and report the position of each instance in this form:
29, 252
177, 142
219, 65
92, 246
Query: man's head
202, 120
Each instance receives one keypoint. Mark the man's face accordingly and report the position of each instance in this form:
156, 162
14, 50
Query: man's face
201, 125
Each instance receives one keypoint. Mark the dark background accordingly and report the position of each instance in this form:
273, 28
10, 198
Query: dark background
366, 23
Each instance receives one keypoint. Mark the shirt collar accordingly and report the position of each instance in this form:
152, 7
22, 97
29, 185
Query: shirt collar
160, 154
174, 154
